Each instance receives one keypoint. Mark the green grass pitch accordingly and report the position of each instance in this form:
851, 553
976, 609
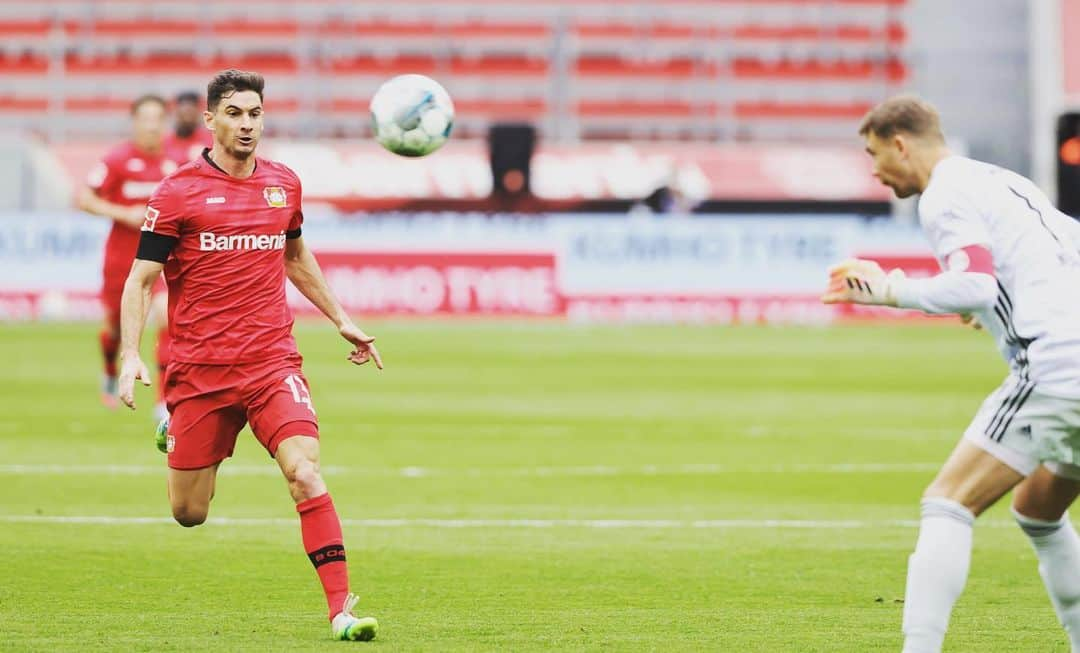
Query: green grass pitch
520, 487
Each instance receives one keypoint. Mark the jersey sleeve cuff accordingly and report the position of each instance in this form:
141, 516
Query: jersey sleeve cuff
292, 234
905, 293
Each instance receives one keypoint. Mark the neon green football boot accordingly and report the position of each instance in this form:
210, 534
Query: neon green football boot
161, 436
347, 627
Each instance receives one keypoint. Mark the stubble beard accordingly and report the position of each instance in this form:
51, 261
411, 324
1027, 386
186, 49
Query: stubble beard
240, 155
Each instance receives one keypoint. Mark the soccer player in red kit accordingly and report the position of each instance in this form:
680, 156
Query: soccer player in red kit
189, 135
226, 229
118, 188
185, 142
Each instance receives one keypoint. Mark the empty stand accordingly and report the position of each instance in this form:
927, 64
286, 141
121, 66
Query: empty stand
577, 69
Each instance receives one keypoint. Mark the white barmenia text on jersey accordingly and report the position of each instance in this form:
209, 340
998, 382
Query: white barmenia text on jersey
210, 242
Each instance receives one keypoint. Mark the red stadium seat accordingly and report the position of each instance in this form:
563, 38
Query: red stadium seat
893, 33
97, 104
812, 69
379, 28
26, 64
9, 104
38, 28
606, 30
141, 28
121, 105
593, 66
778, 32
665, 30
523, 109
528, 109
172, 64
644, 109
809, 110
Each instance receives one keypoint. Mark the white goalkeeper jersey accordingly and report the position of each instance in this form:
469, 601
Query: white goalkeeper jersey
1036, 317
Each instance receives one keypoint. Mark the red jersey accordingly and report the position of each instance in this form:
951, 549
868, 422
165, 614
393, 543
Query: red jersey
190, 148
127, 176
226, 270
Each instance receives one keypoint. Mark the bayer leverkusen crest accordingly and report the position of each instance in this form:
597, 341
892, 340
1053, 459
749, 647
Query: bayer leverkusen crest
275, 196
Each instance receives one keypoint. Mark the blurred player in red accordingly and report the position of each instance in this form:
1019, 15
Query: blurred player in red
189, 135
226, 229
118, 188
184, 143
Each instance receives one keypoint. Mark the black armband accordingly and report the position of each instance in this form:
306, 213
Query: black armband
155, 247
293, 234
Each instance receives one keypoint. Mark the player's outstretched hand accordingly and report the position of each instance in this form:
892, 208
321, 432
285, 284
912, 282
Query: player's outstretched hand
132, 368
859, 281
365, 346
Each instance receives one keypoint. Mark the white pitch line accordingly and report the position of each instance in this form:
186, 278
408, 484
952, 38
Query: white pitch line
703, 469
642, 524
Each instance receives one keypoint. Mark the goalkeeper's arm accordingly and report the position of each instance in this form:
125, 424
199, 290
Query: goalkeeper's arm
968, 285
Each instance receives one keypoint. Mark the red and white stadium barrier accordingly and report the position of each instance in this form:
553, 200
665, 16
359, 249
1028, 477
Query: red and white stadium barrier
583, 268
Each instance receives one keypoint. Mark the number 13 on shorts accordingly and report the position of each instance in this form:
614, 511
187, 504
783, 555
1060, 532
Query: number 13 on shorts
299, 391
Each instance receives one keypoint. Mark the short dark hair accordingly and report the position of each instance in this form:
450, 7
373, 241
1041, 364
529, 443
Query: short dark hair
188, 96
232, 81
143, 99
904, 113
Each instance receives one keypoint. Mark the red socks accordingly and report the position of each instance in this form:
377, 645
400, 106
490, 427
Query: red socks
110, 346
321, 532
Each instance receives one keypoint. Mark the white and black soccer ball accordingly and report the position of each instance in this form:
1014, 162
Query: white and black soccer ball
412, 115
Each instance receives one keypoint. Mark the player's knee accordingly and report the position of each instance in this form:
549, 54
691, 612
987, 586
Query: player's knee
956, 494
939, 490
1024, 507
1028, 507
188, 516
305, 480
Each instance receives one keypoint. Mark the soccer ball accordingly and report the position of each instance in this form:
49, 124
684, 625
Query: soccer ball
412, 115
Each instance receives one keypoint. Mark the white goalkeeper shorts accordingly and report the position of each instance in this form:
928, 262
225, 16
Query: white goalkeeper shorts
1024, 428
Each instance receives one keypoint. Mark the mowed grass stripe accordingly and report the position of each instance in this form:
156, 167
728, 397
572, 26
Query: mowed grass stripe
809, 524
419, 472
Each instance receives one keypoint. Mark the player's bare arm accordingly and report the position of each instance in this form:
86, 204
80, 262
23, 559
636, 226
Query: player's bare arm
304, 272
134, 307
93, 204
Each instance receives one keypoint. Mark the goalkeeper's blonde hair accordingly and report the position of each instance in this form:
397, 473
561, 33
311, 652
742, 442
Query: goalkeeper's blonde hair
907, 114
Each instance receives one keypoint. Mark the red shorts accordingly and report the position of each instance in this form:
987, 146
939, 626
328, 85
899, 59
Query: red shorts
113, 289
209, 405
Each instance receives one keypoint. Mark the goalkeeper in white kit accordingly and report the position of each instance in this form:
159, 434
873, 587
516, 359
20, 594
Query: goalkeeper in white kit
1010, 260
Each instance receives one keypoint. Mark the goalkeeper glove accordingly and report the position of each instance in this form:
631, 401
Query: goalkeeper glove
859, 281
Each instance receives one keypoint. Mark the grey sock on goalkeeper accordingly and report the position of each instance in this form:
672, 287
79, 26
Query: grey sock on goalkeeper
937, 573
1058, 548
